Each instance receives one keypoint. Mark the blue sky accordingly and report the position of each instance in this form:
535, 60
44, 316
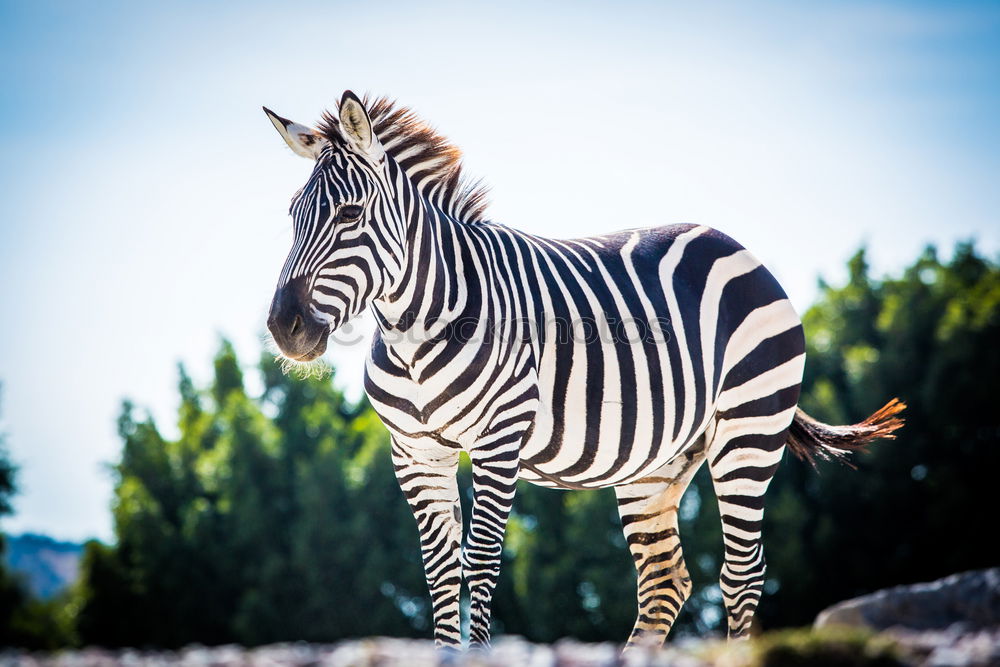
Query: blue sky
143, 194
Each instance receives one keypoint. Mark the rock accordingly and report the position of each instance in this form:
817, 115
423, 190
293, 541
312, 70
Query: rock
970, 599
949, 648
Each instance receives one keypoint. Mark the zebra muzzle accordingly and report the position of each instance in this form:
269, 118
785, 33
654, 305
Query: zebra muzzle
298, 334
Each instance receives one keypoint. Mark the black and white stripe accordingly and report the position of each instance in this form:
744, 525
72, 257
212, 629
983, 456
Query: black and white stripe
626, 360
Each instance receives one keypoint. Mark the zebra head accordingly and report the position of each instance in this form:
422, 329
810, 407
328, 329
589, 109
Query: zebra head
347, 238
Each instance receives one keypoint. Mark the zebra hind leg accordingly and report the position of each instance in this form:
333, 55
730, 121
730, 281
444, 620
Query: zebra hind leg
743, 455
648, 509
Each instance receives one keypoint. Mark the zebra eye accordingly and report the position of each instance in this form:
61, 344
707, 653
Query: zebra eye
351, 212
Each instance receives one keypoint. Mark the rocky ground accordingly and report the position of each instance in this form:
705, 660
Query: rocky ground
898, 647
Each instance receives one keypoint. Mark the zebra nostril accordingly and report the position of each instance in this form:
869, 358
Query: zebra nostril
296, 325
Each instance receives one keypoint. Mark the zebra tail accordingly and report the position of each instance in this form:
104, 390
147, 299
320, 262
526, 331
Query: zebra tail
810, 439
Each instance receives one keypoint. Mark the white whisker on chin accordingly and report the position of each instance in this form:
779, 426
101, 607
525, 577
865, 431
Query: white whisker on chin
317, 368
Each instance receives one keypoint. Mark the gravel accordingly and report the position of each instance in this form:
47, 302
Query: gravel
953, 647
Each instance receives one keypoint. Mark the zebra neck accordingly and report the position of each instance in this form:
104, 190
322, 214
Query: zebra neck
441, 280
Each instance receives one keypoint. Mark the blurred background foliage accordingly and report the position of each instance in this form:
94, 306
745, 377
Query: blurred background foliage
277, 516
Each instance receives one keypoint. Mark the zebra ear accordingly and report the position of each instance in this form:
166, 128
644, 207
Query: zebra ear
356, 127
305, 141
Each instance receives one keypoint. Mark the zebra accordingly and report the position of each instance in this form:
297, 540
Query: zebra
626, 360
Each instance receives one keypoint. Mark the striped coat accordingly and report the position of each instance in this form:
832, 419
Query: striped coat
626, 361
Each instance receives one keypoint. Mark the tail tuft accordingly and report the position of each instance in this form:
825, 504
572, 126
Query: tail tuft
810, 439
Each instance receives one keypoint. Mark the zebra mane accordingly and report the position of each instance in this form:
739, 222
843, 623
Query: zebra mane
432, 162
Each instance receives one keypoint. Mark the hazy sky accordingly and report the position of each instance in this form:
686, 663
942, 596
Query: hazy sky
143, 194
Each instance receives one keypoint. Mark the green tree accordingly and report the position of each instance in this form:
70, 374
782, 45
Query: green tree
13, 596
916, 508
24, 621
269, 518
568, 572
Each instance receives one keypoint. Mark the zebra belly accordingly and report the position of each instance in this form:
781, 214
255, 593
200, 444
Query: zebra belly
594, 444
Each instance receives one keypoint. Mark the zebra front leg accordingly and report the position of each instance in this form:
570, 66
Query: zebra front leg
431, 488
648, 509
743, 457
494, 480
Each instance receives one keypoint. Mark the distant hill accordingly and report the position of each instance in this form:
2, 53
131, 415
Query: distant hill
47, 565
